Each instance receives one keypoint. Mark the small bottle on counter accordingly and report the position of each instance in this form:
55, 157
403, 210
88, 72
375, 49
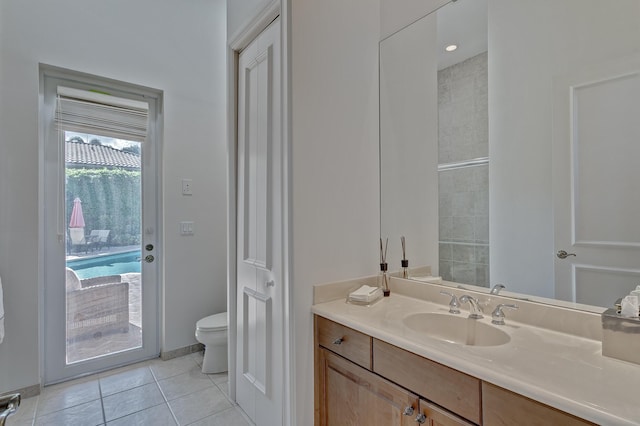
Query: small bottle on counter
383, 280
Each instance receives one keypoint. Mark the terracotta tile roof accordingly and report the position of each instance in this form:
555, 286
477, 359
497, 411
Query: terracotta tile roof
84, 154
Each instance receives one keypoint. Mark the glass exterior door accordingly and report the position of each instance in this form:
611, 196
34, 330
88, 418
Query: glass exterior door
101, 270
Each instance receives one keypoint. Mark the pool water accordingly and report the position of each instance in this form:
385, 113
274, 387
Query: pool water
109, 264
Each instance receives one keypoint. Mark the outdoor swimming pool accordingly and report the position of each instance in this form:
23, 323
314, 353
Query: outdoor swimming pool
109, 264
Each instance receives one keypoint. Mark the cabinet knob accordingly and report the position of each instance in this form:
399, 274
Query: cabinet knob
421, 418
408, 411
338, 341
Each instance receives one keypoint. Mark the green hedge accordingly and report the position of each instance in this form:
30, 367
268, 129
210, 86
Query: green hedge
111, 199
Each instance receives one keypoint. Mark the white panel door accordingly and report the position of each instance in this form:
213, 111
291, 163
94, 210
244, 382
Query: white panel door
596, 178
260, 345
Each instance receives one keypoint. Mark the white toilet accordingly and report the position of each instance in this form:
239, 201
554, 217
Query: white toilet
211, 331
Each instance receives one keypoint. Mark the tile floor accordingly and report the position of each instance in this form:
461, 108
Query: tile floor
155, 392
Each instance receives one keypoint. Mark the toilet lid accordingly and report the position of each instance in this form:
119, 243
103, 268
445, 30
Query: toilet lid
213, 322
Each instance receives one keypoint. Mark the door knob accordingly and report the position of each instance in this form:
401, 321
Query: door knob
148, 247
149, 258
563, 254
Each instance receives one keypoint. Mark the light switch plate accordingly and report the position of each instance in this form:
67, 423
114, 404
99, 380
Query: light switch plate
186, 228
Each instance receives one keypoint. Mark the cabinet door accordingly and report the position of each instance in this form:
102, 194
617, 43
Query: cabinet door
351, 395
437, 416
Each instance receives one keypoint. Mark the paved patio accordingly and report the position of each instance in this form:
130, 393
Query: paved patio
114, 341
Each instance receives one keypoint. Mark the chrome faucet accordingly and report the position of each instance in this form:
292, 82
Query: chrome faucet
496, 289
476, 309
497, 316
454, 307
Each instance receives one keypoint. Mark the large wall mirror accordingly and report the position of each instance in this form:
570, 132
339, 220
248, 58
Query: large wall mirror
515, 158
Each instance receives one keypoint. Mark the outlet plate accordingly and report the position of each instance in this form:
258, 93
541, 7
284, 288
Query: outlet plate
187, 186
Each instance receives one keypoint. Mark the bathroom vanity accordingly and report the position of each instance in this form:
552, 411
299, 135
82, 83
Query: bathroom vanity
384, 365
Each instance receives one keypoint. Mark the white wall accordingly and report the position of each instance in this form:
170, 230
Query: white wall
395, 16
240, 12
335, 159
177, 48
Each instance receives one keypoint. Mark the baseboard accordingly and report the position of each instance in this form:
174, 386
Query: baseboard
28, 392
197, 347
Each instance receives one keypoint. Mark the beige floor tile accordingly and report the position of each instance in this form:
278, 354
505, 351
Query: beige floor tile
219, 377
160, 415
230, 417
198, 357
87, 414
19, 422
125, 380
184, 384
66, 395
224, 388
198, 405
128, 402
173, 367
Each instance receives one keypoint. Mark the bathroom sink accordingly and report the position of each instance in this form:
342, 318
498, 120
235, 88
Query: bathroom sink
456, 329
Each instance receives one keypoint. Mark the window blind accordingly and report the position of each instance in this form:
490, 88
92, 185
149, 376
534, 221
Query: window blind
101, 114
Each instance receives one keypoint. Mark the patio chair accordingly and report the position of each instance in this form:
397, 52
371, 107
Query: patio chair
78, 240
96, 305
100, 237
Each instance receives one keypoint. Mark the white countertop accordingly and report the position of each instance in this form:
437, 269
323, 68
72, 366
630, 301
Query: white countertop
558, 369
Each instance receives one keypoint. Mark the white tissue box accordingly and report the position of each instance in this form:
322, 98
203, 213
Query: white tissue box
365, 295
620, 336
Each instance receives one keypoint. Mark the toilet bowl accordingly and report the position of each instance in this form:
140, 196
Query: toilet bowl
211, 331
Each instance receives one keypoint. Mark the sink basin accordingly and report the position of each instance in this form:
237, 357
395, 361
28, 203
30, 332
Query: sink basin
456, 329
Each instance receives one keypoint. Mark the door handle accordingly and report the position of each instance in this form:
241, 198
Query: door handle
149, 258
271, 283
562, 254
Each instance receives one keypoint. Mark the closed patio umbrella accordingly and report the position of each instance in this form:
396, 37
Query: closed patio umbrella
77, 219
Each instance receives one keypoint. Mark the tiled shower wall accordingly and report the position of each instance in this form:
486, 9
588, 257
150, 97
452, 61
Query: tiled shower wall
464, 192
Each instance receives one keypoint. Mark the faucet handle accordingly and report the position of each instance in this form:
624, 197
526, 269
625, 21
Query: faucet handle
454, 306
497, 316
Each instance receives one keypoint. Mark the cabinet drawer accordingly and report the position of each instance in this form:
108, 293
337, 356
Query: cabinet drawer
449, 388
344, 341
503, 407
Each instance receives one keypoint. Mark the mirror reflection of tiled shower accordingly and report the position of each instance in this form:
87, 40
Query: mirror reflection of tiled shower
463, 171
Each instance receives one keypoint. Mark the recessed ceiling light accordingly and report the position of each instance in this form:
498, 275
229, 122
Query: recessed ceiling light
451, 47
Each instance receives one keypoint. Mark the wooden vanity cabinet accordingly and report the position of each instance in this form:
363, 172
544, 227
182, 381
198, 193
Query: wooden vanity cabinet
503, 407
351, 395
349, 392
360, 380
